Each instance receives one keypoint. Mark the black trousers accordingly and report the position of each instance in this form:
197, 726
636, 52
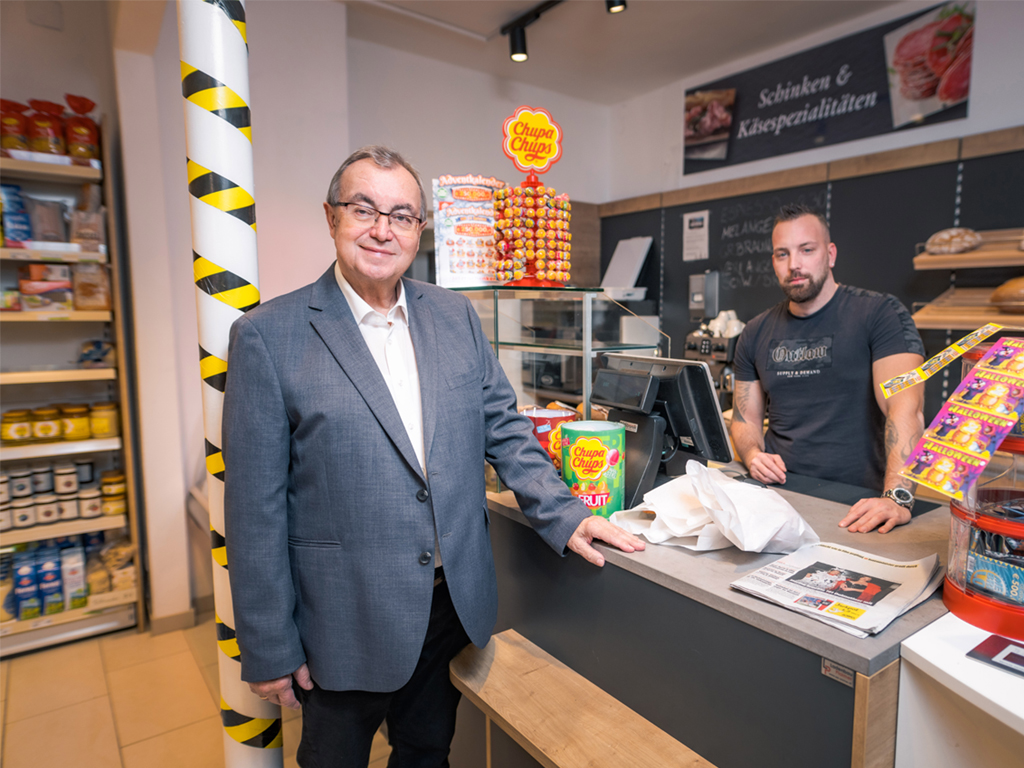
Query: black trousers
338, 726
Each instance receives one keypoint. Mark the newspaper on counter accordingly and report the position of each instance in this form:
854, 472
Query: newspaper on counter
854, 591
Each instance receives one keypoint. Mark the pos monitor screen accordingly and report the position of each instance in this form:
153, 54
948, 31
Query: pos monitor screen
679, 391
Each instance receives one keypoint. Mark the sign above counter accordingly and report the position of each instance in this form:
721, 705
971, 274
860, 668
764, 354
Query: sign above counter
910, 72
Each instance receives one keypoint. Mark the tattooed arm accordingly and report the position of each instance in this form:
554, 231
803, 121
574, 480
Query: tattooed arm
904, 423
747, 432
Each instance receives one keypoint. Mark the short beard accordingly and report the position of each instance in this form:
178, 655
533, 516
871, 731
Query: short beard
800, 294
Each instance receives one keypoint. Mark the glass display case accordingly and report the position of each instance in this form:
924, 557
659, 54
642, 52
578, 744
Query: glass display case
549, 340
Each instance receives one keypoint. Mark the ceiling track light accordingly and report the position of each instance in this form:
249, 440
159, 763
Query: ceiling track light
516, 29
517, 43
615, 6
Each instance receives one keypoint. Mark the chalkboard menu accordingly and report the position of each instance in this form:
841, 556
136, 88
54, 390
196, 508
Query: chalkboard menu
739, 248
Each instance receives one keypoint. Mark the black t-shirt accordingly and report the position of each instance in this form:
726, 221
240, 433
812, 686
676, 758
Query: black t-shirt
823, 419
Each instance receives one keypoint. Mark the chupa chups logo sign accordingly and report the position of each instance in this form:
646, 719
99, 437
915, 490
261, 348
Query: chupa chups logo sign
588, 458
533, 140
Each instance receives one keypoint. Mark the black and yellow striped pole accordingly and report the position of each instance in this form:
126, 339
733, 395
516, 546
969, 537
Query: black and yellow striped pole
218, 138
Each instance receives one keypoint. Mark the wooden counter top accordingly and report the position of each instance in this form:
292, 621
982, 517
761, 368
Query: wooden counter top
705, 578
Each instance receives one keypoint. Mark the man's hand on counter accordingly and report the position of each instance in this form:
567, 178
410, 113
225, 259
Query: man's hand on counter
769, 468
879, 512
597, 527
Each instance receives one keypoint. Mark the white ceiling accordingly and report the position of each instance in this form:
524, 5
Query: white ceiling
579, 49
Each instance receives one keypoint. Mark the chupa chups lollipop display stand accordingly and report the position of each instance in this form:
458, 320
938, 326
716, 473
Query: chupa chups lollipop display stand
533, 242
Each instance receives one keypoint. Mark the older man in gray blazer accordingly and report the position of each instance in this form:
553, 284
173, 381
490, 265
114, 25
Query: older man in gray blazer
358, 413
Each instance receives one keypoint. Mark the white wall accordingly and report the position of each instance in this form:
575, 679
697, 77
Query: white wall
647, 131
41, 63
447, 119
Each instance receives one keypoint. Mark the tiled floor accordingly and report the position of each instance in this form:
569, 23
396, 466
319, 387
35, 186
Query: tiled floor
124, 701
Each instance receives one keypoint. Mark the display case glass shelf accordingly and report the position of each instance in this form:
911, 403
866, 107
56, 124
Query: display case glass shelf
549, 339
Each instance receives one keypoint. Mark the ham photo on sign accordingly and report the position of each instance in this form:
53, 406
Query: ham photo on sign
707, 123
929, 62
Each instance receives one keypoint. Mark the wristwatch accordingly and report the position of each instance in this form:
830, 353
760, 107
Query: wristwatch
901, 496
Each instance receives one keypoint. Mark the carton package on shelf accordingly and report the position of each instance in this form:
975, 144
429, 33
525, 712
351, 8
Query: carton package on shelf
122, 579
72, 566
26, 589
8, 604
46, 295
91, 287
45, 272
48, 576
16, 222
11, 301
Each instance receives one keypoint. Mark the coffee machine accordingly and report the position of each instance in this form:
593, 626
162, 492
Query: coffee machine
716, 351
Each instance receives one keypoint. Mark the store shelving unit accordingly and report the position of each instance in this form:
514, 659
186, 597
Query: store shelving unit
970, 308
39, 383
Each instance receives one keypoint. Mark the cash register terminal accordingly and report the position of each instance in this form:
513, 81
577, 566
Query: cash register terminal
671, 413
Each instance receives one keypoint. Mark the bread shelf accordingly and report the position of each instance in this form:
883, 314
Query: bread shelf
58, 376
56, 530
999, 248
33, 171
68, 316
101, 602
63, 257
964, 309
65, 448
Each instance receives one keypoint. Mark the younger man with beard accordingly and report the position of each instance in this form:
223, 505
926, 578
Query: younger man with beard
817, 360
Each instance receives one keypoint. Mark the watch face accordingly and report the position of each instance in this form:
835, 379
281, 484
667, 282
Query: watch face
902, 495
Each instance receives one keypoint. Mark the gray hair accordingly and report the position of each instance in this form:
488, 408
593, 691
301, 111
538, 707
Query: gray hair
791, 211
383, 157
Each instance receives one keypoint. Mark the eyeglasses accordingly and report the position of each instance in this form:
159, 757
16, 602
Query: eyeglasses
398, 220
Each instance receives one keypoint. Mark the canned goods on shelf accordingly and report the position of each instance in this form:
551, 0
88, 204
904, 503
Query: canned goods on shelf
20, 482
114, 505
112, 483
23, 512
46, 509
67, 506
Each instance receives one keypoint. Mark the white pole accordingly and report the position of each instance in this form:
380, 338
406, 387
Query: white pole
218, 140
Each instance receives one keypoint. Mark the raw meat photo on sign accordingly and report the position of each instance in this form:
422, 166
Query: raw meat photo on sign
929, 62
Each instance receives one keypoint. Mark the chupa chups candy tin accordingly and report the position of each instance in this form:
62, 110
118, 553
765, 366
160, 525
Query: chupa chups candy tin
545, 427
593, 465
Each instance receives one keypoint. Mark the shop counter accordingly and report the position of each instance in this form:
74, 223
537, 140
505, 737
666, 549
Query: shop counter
741, 681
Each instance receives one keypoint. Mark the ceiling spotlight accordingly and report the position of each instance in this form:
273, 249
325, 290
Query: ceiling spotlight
615, 6
517, 43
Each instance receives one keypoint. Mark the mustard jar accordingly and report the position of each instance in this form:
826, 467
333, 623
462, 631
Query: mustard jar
46, 424
75, 420
16, 427
114, 505
112, 483
104, 420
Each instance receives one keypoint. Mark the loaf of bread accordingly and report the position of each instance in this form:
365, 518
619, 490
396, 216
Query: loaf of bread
1009, 296
955, 240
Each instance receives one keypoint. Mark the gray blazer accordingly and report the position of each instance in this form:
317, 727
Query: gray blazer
329, 520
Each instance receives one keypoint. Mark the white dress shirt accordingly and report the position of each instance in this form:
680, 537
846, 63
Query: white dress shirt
390, 344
